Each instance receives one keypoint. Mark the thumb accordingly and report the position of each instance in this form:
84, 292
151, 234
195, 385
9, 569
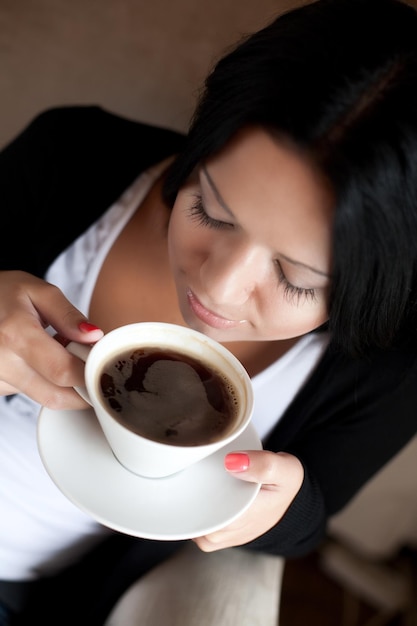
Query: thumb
248, 465
263, 466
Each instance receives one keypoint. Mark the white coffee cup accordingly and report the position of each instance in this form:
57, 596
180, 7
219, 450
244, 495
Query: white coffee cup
137, 453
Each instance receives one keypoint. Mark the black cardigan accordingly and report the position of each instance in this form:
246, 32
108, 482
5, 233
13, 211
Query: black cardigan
351, 416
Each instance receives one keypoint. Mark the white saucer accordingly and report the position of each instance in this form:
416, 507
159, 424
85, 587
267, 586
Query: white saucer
192, 503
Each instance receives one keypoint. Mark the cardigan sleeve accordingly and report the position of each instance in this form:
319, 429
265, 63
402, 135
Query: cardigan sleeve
350, 419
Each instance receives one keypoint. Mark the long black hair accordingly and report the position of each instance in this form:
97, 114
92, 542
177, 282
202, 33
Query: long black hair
338, 78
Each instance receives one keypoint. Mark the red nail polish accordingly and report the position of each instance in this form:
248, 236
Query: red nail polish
236, 462
86, 327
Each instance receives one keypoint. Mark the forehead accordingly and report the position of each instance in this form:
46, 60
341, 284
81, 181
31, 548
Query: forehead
268, 182
264, 155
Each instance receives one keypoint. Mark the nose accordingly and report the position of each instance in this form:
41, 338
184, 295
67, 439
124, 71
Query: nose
232, 272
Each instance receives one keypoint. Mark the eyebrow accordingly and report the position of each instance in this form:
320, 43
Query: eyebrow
230, 212
309, 267
216, 192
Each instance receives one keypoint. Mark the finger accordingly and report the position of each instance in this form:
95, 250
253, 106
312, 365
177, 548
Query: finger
40, 367
280, 475
31, 361
271, 469
36, 350
7, 390
44, 305
258, 519
44, 391
55, 310
22, 334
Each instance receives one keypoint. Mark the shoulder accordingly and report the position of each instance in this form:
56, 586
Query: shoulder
93, 123
80, 138
86, 151
74, 162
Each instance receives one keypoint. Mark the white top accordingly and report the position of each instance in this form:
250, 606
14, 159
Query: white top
41, 531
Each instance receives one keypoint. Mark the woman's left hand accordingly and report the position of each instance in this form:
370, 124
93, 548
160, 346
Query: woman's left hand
281, 476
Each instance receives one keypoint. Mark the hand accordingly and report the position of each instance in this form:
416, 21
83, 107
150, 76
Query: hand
281, 476
31, 361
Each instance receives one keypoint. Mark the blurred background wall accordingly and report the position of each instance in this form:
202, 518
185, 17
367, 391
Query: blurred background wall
145, 59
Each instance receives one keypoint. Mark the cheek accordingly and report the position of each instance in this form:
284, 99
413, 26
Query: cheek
183, 238
187, 241
175, 230
291, 320
308, 312
313, 319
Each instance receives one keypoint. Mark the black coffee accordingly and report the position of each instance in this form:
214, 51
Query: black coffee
169, 397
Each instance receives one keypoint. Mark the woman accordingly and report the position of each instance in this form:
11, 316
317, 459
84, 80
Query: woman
282, 226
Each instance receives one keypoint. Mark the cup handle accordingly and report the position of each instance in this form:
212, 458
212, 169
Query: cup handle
81, 351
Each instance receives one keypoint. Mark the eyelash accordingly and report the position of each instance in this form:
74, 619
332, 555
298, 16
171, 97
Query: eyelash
291, 291
198, 213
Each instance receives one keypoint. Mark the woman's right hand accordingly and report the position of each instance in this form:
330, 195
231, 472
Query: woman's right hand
31, 360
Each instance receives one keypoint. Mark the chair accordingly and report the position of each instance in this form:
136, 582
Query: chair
372, 547
224, 588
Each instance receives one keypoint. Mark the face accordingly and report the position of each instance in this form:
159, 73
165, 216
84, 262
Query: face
250, 242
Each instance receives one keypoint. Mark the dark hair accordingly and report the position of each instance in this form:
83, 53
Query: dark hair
339, 78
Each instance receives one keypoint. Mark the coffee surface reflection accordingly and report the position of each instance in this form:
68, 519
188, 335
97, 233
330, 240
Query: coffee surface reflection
169, 397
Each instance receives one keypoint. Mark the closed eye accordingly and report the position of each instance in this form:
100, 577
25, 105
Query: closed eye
291, 291
198, 213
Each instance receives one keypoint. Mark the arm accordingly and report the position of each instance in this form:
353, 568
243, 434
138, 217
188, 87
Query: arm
56, 178
350, 419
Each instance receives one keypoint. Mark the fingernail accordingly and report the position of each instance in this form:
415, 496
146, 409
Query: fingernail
86, 327
236, 462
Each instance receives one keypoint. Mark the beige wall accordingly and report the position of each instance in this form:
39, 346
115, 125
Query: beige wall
142, 58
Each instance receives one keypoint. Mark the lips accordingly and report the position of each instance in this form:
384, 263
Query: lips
208, 317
